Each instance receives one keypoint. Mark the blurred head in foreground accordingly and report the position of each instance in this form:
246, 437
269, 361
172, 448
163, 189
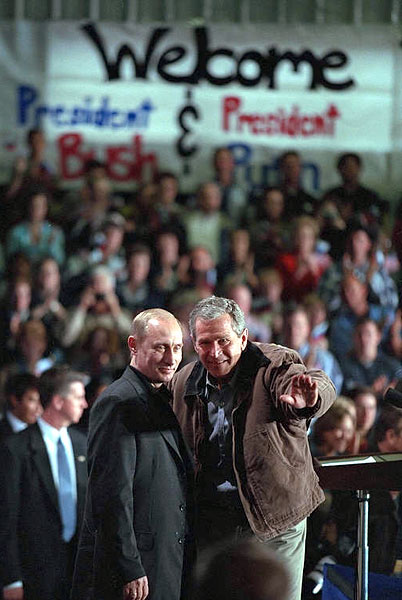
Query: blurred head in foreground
240, 570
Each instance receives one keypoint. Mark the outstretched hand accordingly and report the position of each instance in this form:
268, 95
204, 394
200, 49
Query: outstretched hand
303, 394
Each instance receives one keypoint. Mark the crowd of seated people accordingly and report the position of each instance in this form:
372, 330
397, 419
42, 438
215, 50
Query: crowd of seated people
310, 272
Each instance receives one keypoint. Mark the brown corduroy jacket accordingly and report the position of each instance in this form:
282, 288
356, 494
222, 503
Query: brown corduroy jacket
271, 457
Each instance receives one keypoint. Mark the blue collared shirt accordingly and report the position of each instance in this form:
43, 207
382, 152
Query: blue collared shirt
51, 437
219, 399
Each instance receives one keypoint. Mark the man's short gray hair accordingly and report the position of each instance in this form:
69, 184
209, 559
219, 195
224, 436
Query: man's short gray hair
214, 307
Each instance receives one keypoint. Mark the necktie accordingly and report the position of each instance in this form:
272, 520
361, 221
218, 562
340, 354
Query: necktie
66, 497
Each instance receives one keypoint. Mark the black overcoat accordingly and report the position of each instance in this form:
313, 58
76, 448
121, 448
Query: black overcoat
138, 511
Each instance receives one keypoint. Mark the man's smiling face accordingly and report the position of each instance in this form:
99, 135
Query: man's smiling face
218, 346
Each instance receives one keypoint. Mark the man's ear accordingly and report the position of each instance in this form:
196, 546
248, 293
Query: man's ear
132, 344
57, 401
244, 338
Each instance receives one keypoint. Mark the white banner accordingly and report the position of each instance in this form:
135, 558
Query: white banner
147, 98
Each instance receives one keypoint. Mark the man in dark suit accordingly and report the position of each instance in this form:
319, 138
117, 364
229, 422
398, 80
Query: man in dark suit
23, 405
42, 491
136, 539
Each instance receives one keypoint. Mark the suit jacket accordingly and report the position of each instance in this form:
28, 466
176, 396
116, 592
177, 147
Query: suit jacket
138, 508
5, 428
32, 548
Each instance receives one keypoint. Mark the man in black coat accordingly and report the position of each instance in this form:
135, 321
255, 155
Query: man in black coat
37, 540
136, 538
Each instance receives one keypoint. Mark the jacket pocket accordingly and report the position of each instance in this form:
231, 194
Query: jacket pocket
273, 443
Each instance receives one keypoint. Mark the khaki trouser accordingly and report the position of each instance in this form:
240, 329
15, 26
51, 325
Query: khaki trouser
290, 547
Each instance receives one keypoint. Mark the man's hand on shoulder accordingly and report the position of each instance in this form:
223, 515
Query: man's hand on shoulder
303, 394
136, 590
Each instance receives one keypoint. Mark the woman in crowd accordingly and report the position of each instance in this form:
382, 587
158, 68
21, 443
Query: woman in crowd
303, 267
35, 236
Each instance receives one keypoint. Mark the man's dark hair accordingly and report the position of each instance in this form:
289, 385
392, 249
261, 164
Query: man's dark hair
344, 157
390, 417
365, 319
166, 175
91, 164
285, 155
359, 390
32, 132
58, 380
17, 385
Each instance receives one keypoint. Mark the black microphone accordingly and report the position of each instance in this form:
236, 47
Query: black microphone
393, 397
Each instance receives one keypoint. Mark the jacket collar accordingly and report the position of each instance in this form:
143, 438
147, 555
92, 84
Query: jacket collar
251, 360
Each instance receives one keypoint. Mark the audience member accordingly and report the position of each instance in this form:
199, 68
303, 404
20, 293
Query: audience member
234, 200
199, 271
31, 170
136, 292
35, 236
98, 305
351, 197
239, 266
165, 211
137, 212
31, 353
332, 433
101, 354
297, 200
365, 402
168, 265
330, 436
206, 225
267, 303
302, 267
47, 302
361, 259
15, 309
354, 306
332, 228
382, 518
85, 219
23, 405
17, 266
42, 490
258, 331
269, 229
367, 364
318, 319
296, 335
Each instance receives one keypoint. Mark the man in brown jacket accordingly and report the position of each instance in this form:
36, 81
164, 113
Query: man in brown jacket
244, 409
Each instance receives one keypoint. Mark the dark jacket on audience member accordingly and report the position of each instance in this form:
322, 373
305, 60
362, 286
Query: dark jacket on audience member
32, 548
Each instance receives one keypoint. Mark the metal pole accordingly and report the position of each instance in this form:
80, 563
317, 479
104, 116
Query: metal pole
361, 587
395, 11
94, 10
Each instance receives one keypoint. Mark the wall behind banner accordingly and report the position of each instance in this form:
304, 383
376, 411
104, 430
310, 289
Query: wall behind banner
151, 97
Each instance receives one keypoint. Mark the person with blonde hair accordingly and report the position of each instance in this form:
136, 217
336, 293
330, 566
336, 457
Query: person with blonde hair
332, 433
